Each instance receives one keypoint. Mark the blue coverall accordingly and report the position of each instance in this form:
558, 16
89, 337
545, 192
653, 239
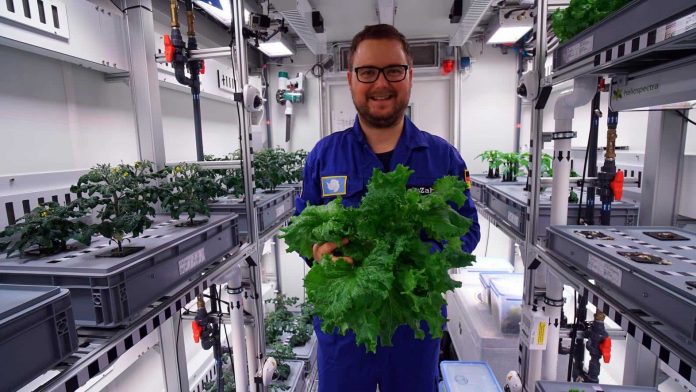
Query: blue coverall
342, 164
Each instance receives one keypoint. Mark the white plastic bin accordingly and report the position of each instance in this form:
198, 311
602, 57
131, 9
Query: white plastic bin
470, 274
468, 377
485, 279
506, 302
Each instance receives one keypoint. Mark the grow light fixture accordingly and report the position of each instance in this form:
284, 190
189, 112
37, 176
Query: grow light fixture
509, 26
279, 45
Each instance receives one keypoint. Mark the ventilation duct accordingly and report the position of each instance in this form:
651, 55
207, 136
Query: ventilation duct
474, 10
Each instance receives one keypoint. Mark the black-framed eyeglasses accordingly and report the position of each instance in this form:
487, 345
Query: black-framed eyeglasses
393, 73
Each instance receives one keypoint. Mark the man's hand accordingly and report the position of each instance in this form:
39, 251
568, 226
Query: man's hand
319, 250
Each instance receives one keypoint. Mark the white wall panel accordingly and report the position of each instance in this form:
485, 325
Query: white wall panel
306, 126
219, 124
59, 116
488, 106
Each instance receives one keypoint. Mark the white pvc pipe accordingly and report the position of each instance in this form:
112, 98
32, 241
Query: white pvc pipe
251, 351
554, 291
561, 177
584, 89
239, 353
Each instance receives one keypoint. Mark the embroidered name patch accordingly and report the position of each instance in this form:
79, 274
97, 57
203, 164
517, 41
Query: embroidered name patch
333, 186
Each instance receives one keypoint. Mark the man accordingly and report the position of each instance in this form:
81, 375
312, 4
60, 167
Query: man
380, 80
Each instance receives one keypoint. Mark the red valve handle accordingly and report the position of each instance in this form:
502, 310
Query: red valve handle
616, 185
168, 49
197, 330
605, 349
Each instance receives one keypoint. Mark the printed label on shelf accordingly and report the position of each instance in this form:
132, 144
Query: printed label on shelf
578, 50
680, 25
514, 218
191, 261
280, 211
607, 271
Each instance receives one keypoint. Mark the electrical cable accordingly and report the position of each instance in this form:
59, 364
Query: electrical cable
682, 115
582, 183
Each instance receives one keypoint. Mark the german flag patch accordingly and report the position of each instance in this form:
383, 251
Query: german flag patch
467, 178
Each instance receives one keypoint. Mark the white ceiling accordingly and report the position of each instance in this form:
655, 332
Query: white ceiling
414, 18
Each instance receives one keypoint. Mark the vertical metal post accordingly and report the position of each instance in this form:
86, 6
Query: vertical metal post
143, 80
640, 366
518, 106
321, 121
245, 144
662, 170
531, 360
455, 129
276, 253
173, 354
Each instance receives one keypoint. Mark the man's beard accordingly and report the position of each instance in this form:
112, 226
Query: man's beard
383, 121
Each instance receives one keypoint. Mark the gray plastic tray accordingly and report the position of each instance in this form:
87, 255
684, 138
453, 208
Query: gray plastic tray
271, 208
296, 379
479, 182
295, 186
109, 291
558, 386
306, 353
661, 290
509, 203
37, 331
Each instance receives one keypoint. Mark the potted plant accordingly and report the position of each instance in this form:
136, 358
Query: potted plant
227, 377
123, 198
187, 191
282, 353
295, 162
270, 168
494, 159
511, 168
280, 319
45, 231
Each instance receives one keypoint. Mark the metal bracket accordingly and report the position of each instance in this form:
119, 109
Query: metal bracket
564, 135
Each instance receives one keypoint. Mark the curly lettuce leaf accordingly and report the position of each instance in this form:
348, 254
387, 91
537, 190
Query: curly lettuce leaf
402, 243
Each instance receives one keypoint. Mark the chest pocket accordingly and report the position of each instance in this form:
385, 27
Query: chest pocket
350, 187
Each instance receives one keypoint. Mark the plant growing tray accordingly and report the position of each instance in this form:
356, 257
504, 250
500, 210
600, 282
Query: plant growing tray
306, 352
509, 204
296, 379
109, 291
271, 208
295, 186
37, 331
479, 183
659, 275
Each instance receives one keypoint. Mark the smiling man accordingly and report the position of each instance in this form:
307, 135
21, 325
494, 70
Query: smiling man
380, 80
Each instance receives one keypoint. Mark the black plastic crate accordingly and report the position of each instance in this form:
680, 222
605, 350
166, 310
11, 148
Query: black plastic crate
37, 331
658, 274
108, 291
271, 208
509, 203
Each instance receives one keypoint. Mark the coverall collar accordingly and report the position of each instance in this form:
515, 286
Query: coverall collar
411, 135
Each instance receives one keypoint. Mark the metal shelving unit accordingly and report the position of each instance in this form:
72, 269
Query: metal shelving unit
648, 49
100, 348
